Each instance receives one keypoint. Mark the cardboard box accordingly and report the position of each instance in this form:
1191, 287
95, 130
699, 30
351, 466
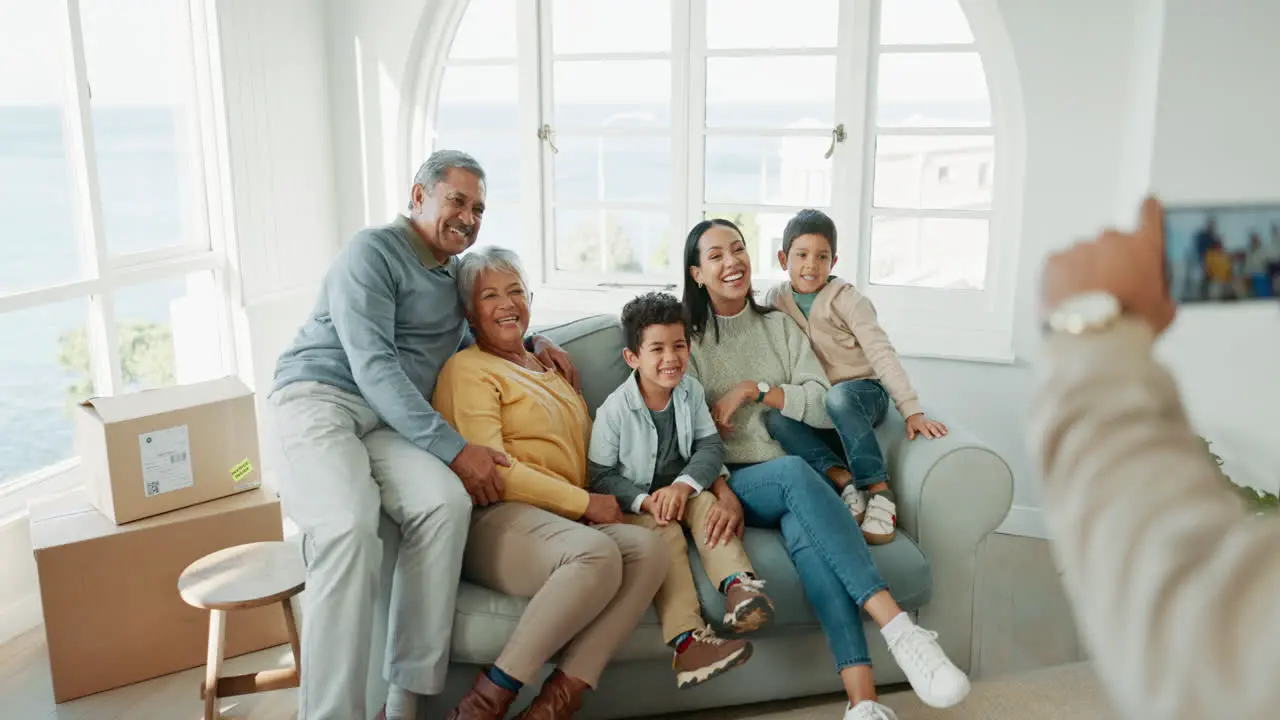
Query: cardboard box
112, 613
158, 450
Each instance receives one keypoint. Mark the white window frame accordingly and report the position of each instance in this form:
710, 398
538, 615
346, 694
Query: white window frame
923, 322
103, 273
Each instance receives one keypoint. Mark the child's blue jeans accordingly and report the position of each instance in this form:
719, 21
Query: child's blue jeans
856, 407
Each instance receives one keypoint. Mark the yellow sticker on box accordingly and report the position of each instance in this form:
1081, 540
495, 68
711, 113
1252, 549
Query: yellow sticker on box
242, 469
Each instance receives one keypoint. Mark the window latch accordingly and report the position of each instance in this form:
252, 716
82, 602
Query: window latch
837, 136
546, 134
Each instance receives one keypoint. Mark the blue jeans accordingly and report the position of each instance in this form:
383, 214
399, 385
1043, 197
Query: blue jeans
824, 543
856, 407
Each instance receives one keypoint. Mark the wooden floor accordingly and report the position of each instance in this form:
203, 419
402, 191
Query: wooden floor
1025, 623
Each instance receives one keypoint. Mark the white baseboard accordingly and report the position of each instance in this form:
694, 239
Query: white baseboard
1025, 521
20, 616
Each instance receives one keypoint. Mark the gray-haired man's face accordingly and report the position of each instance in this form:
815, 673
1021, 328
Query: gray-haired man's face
450, 215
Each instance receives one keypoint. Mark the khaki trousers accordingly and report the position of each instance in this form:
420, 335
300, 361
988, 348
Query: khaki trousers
588, 586
677, 600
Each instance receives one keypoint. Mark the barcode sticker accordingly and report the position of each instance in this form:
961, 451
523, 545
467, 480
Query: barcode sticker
166, 460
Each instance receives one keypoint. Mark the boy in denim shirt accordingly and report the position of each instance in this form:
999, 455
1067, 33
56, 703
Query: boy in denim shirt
655, 448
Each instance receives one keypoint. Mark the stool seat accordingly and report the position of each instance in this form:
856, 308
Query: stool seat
244, 576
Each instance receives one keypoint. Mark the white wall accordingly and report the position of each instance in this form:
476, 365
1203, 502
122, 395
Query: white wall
284, 225
1215, 139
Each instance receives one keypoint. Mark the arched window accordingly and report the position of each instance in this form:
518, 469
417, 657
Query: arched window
609, 127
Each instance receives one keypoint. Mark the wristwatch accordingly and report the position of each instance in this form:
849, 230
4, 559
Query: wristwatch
1084, 313
763, 387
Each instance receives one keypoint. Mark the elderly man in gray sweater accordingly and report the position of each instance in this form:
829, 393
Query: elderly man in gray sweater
359, 438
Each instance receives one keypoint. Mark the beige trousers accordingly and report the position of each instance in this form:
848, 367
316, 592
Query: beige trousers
677, 600
588, 586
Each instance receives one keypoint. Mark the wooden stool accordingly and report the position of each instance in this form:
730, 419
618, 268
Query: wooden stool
239, 578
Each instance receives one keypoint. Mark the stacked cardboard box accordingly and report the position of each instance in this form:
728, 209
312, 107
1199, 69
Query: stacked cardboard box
171, 475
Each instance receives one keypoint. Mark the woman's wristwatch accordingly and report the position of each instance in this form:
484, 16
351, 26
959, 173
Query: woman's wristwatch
763, 389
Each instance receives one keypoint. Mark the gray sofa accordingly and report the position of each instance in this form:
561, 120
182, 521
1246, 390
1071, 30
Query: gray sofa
951, 493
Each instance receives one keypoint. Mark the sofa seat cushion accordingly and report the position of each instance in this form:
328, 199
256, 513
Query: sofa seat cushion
485, 619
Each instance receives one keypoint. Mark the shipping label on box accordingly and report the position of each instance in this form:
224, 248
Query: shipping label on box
159, 450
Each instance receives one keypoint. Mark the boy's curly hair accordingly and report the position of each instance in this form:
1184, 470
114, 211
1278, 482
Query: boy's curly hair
652, 308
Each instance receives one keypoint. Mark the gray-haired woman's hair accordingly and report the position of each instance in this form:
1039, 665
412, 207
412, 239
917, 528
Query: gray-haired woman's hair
438, 164
474, 263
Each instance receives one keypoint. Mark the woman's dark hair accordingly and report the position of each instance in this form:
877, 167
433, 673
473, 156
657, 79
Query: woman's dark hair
697, 301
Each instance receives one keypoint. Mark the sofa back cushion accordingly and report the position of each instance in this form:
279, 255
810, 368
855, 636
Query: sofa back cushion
595, 343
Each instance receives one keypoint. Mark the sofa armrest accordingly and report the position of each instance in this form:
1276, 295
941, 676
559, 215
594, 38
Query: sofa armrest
951, 493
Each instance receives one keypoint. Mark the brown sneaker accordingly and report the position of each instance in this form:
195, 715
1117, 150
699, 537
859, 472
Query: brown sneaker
747, 608
484, 701
707, 656
559, 699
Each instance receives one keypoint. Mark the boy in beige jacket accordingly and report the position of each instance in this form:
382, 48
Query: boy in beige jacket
1175, 586
863, 369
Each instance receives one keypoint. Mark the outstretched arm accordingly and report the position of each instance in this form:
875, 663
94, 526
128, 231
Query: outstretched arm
1174, 584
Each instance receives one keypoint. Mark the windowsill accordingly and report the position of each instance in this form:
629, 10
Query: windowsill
15, 494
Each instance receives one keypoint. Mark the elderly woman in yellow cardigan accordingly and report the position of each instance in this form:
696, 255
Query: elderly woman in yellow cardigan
590, 576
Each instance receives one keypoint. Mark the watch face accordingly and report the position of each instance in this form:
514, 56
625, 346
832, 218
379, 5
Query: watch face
762, 387
1084, 311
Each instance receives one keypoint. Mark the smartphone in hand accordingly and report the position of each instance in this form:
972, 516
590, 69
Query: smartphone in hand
1223, 252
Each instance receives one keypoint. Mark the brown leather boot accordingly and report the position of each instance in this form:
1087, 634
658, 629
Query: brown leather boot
559, 699
484, 701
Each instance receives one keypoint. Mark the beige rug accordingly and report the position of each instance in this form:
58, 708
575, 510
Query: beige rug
1065, 692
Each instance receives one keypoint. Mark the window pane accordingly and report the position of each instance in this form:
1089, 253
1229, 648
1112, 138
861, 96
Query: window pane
949, 172
736, 24
612, 241
504, 226
477, 112
37, 230
44, 376
138, 57
932, 89
929, 252
763, 234
613, 168
487, 30
771, 92
169, 332
923, 22
610, 26
768, 170
613, 93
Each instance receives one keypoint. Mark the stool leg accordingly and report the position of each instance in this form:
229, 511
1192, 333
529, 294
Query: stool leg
291, 625
213, 663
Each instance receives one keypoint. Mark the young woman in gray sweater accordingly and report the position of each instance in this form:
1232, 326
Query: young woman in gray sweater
752, 361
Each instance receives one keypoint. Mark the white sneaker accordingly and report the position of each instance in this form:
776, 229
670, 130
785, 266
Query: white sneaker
933, 676
879, 525
855, 500
869, 710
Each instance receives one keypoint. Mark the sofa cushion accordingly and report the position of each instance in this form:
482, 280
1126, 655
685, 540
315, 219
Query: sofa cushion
485, 619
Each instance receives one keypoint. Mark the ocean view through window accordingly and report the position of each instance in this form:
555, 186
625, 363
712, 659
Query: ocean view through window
612, 127
108, 282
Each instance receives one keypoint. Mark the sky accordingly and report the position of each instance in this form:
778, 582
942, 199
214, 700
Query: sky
488, 30
135, 51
